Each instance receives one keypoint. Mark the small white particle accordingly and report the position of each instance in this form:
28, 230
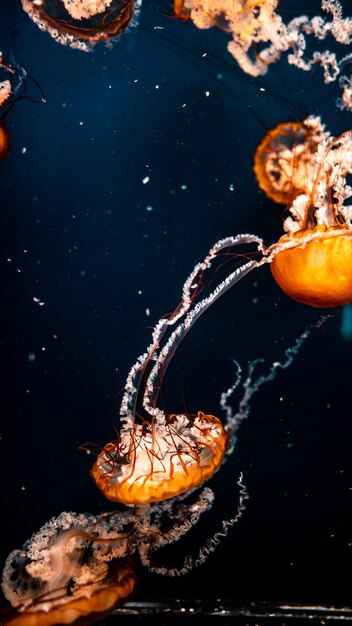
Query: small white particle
207, 93
81, 123
31, 357
145, 180
147, 312
149, 208
24, 150
231, 186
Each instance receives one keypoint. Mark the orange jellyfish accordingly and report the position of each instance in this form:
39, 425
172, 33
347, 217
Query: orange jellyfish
77, 568
157, 456
303, 166
13, 88
62, 576
284, 158
5, 142
82, 23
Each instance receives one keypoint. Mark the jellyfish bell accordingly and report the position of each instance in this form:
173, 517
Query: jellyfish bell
318, 270
61, 576
5, 142
283, 159
312, 262
156, 461
82, 23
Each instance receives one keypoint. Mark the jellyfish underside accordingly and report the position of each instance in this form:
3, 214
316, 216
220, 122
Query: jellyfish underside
80, 23
61, 575
78, 567
282, 159
82, 611
157, 462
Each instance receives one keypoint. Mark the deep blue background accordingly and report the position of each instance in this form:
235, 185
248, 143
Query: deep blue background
78, 233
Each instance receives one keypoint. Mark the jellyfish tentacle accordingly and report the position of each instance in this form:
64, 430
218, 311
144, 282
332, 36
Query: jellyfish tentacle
210, 546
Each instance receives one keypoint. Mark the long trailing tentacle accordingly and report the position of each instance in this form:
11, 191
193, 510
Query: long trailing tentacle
210, 546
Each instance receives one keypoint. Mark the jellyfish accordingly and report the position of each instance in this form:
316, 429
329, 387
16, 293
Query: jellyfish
301, 165
61, 576
156, 455
259, 36
13, 88
284, 159
78, 567
81, 24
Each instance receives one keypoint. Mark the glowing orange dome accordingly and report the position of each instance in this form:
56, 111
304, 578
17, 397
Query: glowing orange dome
160, 464
181, 10
83, 610
283, 159
4, 141
318, 271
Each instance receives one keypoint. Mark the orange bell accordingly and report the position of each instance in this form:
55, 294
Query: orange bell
318, 270
5, 143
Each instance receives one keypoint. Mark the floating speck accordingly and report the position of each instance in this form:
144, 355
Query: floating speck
31, 357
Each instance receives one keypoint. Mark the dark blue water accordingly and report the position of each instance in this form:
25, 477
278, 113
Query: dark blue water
106, 255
